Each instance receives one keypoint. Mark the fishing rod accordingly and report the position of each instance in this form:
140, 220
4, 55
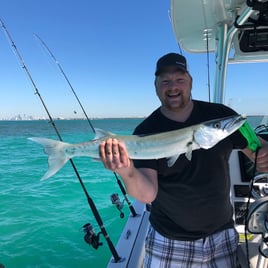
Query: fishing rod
90, 237
67, 80
132, 209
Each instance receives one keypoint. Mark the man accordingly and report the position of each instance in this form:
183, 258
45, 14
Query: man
191, 214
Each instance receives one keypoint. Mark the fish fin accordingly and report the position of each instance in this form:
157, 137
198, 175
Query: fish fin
56, 155
102, 133
188, 154
171, 160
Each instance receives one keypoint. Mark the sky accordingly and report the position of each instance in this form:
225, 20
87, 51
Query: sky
108, 50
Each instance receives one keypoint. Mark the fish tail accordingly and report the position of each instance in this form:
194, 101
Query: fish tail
57, 157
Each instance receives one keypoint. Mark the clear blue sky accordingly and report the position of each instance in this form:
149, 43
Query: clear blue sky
108, 50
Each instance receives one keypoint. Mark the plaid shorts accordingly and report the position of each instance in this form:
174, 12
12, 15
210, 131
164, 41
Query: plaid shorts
215, 251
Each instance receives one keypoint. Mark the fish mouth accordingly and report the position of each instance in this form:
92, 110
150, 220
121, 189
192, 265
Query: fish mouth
234, 123
227, 124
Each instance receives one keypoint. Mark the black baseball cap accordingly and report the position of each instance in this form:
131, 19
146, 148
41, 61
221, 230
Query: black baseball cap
171, 59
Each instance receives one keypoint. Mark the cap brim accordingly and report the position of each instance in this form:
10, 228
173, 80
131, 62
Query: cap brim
168, 69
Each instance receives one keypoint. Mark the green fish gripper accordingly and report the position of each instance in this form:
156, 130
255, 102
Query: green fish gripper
251, 137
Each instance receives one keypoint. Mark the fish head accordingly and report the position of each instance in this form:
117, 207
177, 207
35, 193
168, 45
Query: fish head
211, 132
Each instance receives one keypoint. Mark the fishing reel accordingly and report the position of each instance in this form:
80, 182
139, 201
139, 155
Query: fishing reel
119, 205
259, 186
91, 237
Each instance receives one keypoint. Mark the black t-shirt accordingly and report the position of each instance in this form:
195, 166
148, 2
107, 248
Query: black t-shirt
193, 198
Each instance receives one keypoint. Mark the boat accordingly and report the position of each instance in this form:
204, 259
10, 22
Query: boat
236, 31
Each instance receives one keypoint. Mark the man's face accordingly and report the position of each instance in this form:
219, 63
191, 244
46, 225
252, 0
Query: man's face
173, 88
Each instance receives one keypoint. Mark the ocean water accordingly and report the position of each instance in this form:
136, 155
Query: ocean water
41, 221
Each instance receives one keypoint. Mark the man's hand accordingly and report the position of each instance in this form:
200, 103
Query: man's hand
262, 158
114, 155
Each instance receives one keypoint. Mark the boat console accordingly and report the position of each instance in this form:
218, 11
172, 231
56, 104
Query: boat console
249, 195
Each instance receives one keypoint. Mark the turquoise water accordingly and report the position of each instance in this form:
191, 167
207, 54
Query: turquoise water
41, 221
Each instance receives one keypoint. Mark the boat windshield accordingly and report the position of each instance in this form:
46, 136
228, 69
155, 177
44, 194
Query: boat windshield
246, 91
259, 122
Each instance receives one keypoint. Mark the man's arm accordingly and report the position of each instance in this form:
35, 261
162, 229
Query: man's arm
140, 183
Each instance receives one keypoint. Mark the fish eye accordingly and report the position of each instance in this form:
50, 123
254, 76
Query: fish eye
217, 125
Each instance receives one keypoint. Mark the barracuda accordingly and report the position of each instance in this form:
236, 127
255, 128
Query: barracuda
168, 145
